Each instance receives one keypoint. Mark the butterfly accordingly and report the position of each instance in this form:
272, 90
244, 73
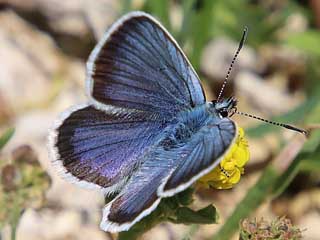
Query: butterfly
147, 131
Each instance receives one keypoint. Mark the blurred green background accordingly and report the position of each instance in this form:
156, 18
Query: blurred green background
44, 47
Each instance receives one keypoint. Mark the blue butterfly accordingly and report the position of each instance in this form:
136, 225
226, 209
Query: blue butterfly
147, 131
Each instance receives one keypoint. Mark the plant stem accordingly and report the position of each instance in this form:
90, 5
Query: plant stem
254, 198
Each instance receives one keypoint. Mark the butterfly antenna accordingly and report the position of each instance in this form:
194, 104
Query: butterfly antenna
274, 123
243, 39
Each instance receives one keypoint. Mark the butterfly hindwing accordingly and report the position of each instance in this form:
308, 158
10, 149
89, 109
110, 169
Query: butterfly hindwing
138, 199
200, 155
138, 65
96, 148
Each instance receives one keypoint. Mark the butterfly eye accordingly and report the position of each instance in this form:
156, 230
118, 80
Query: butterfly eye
224, 113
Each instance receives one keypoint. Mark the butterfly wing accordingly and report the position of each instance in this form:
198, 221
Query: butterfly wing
200, 155
138, 65
168, 169
138, 198
100, 149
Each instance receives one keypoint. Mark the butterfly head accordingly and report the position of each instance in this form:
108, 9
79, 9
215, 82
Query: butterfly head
225, 107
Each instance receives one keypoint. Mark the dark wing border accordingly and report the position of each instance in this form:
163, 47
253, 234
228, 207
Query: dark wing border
57, 162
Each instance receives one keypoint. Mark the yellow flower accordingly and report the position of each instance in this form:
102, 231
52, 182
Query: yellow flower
229, 171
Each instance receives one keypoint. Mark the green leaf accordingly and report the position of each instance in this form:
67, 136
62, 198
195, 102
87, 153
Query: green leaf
166, 211
170, 209
185, 198
126, 6
207, 215
314, 139
160, 9
313, 142
6, 137
199, 34
286, 178
305, 41
308, 153
185, 29
228, 21
142, 226
311, 163
196, 27
295, 115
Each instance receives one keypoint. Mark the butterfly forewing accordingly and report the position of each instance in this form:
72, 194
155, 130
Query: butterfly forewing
103, 148
139, 66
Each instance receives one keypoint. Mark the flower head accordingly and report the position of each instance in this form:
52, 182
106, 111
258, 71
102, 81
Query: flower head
229, 171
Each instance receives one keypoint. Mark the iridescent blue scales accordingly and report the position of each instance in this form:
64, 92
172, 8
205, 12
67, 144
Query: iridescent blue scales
147, 131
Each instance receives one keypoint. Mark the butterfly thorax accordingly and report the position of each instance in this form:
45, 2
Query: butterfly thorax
188, 123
